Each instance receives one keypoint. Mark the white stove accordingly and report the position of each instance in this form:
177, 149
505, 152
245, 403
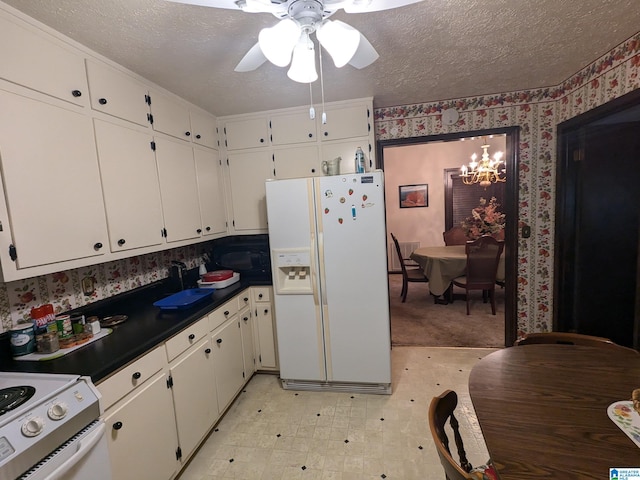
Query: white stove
49, 423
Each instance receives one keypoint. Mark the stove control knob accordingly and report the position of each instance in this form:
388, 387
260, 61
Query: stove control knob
33, 427
58, 411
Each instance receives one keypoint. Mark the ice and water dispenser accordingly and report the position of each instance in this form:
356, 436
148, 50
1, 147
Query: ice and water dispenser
293, 269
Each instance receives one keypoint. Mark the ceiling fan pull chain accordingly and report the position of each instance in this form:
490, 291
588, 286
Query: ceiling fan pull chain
312, 111
324, 114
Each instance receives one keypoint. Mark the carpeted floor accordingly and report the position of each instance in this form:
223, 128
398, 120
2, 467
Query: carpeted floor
420, 322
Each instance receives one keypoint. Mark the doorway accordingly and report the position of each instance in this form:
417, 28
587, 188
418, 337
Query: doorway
597, 224
510, 208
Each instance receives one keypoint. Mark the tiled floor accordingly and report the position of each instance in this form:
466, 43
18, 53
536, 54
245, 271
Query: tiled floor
271, 433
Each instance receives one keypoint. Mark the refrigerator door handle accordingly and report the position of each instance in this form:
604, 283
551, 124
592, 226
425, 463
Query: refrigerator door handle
321, 255
314, 283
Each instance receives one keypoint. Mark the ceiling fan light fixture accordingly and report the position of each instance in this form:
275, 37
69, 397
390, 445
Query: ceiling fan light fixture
303, 63
339, 39
278, 42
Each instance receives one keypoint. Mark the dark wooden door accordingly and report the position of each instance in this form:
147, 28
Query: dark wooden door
599, 244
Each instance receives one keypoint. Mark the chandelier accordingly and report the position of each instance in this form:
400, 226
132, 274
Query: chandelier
486, 171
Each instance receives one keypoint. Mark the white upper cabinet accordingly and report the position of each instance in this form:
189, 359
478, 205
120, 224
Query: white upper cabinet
38, 61
246, 133
345, 122
118, 94
210, 191
292, 128
51, 184
178, 189
248, 172
299, 161
169, 116
204, 129
130, 186
346, 149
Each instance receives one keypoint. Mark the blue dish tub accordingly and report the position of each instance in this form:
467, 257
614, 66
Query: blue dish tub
184, 299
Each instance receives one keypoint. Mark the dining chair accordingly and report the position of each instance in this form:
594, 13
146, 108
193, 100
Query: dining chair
568, 338
455, 236
408, 274
483, 256
442, 410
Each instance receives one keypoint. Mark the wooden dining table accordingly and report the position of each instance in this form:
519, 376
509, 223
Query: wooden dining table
543, 410
441, 264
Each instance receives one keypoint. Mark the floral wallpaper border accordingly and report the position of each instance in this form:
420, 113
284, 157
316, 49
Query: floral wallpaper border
537, 112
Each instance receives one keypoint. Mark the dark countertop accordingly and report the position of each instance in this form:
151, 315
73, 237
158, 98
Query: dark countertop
146, 328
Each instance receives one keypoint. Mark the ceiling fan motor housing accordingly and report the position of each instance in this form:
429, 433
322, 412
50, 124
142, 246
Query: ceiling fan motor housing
308, 13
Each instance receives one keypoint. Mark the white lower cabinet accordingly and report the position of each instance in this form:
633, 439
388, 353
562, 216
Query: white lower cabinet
141, 433
246, 330
264, 328
228, 362
194, 395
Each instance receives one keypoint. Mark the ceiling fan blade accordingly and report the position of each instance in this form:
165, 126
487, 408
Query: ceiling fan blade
363, 6
251, 6
365, 54
252, 60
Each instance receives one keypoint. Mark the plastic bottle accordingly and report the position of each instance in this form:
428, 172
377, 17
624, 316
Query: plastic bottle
359, 160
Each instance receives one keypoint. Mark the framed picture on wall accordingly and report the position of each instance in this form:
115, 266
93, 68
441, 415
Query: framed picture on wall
412, 196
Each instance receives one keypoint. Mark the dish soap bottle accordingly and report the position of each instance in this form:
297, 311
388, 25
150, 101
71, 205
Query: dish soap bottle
359, 160
202, 270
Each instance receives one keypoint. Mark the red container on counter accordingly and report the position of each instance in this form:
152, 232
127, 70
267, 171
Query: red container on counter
43, 316
217, 275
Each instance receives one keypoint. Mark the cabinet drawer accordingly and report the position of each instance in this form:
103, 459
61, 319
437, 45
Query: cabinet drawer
183, 340
244, 300
261, 294
221, 314
130, 377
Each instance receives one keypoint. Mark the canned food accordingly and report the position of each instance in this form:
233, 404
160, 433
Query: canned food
64, 326
23, 340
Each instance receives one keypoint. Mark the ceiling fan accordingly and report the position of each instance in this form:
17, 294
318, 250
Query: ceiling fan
289, 40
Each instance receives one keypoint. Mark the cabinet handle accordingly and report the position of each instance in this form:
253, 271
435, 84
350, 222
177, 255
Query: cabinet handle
259, 295
311, 135
326, 134
208, 229
199, 230
207, 351
198, 136
187, 133
246, 319
121, 242
97, 246
192, 336
219, 340
266, 310
102, 101
136, 375
76, 93
117, 425
313, 170
262, 140
226, 313
245, 299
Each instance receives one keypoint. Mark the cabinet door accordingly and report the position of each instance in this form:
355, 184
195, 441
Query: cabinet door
210, 191
297, 162
249, 133
117, 93
228, 362
34, 60
347, 150
204, 130
266, 339
292, 128
130, 186
178, 189
142, 434
51, 181
345, 122
247, 174
246, 330
194, 395
169, 116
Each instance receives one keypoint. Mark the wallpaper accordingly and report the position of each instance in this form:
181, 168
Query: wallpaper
537, 113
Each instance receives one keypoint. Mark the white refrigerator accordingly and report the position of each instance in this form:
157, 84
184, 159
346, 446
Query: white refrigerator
327, 237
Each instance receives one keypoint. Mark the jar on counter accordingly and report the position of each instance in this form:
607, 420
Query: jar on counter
23, 340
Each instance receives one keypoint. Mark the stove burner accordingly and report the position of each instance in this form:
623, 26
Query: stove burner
13, 397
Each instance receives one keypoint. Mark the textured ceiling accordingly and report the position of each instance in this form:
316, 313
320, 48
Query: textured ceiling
432, 50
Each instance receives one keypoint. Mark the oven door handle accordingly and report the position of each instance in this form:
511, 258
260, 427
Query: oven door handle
84, 447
